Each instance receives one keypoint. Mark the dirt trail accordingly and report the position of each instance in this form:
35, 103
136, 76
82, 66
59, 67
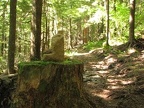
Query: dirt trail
115, 78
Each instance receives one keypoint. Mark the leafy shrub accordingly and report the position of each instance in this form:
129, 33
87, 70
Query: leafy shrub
92, 45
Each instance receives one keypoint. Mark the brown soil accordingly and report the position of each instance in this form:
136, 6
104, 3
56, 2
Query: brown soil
114, 79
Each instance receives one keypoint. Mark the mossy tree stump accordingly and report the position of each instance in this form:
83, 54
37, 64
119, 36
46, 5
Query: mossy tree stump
50, 85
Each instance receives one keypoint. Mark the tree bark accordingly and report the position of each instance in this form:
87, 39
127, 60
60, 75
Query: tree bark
107, 24
85, 31
51, 85
36, 30
132, 21
12, 37
70, 34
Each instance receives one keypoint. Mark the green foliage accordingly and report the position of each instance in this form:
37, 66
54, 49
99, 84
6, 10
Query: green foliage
92, 45
119, 24
138, 20
2, 65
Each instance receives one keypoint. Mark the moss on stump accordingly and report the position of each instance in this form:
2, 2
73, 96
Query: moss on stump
50, 85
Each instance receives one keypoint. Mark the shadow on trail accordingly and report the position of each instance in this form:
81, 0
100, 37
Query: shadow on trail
116, 78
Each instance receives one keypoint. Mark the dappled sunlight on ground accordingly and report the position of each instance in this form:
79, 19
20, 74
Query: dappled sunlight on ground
114, 77
104, 94
115, 42
131, 50
141, 56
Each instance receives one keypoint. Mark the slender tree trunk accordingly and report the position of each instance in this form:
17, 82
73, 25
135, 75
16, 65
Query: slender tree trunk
114, 5
132, 21
47, 35
12, 37
4, 27
85, 35
79, 31
115, 26
46, 10
43, 42
36, 30
2, 44
107, 24
85, 32
100, 27
3, 30
93, 32
3, 36
70, 33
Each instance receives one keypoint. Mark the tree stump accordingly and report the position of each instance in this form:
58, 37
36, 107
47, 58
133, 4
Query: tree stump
50, 85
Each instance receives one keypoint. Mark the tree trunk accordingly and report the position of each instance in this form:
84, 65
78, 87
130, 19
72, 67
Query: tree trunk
12, 36
51, 85
70, 34
85, 35
107, 24
3, 29
86, 31
79, 32
36, 30
132, 21
114, 5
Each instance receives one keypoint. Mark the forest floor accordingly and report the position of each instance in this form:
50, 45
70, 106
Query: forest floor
114, 79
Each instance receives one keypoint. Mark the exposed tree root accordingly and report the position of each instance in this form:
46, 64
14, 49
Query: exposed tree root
137, 44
